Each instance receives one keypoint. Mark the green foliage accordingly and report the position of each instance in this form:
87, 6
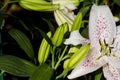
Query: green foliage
23, 42
43, 72
16, 66
117, 2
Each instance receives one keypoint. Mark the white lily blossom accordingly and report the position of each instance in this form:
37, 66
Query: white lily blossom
63, 3
65, 12
76, 39
65, 15
105, 45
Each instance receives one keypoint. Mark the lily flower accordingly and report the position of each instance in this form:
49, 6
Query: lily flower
65, 12
105, 45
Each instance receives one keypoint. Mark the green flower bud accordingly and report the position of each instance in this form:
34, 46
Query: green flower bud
44, 50
38, 5
73, 49
78, 56
77, 22
57, 38
65, 64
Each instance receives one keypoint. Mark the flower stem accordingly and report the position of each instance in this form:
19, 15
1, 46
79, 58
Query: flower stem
63, 74
53, 53
60, 59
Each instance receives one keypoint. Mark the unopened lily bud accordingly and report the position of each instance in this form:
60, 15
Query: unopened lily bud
78, 56
65, 64
38, 5
44, 50
73, 49
77, 22
57, 38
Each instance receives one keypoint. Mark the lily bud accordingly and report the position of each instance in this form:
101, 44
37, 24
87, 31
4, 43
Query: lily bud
57, 38
77, 22
44, 50
78, 56
38, 5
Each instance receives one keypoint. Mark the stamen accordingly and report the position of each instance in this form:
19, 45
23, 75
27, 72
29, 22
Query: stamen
105, 43
113, 41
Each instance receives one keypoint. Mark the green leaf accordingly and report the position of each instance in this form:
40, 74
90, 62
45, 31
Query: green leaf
24, 25
23, 42
44, 35
117, 2
84, 33
84, 10
16, 66
98, 76
51, 27
44, 72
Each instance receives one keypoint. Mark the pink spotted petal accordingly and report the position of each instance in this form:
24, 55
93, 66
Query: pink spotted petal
111, 73
114, 61
75, 39
116, 44
89, 64
101, 25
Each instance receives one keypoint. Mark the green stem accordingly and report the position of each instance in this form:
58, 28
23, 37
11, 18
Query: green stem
23, 24
96, 2
60, 59
63, 74
53, 53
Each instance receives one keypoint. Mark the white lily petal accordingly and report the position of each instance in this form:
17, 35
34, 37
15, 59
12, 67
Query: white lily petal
116, 44
111, 73
69, 13
101, 25
114, 61
88, 64
63, 3
75, 39
62, 17
71, 6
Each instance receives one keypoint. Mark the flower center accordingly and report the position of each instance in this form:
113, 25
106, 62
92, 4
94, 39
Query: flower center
105, 48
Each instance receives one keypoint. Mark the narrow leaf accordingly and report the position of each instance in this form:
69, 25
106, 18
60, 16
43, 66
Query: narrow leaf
51, 27
98, 76
23, 42
84, 10
16, 66
44, 35
44, 72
